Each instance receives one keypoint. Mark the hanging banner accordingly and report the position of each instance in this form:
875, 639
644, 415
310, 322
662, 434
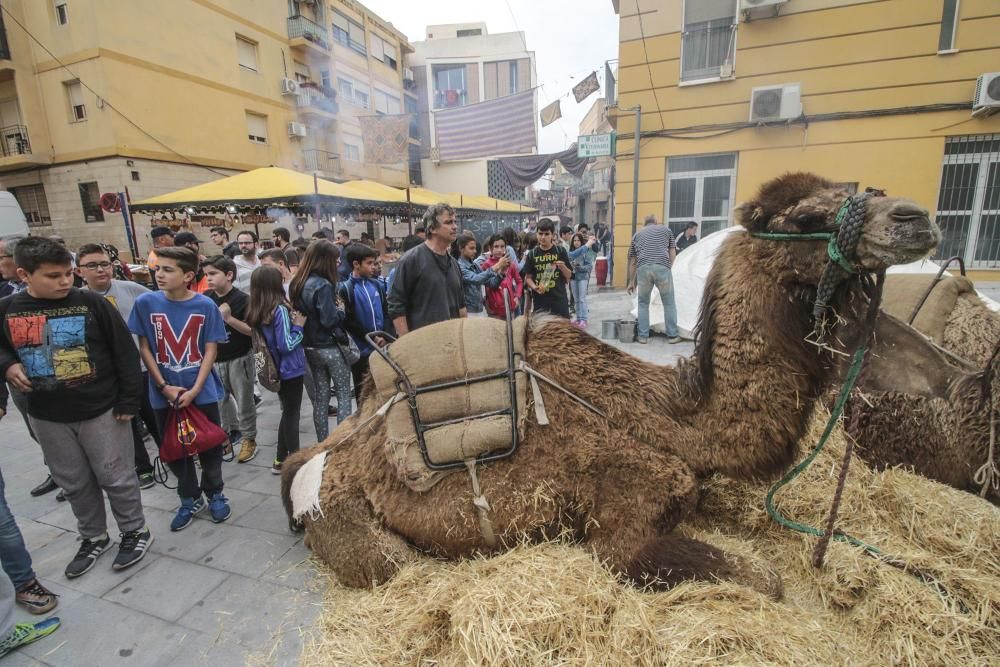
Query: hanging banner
503, 126
550, 114
586, 88
386, 138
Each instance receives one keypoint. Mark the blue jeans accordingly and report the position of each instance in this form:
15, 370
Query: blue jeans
579, 290
13, 553
658, 275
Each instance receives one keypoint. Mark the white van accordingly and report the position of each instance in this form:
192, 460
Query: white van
12, 220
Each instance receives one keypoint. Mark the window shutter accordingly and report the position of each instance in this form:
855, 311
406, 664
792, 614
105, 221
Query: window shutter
340, 21
472, 82
503, 78
247, 53
75, 91
357, 34
708, 10
375, 45
523, 74
257, 127
490, 80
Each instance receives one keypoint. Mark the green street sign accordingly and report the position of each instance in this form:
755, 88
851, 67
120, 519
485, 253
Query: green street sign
595, 145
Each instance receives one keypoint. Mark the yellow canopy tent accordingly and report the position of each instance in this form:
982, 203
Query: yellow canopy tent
260, 188
374, 191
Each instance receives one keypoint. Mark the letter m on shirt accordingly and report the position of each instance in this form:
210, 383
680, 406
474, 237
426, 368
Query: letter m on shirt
177, 350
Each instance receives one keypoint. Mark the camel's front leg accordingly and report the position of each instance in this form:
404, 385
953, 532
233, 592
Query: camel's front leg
643, 494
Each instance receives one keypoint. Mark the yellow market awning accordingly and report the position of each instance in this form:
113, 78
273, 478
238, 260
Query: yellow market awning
260, 188
374, 191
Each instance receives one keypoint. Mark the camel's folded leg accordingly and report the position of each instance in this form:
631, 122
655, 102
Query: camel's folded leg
643, 495
353, 542
672, 558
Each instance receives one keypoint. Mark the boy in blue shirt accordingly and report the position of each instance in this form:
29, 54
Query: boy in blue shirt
179, 334
364, 298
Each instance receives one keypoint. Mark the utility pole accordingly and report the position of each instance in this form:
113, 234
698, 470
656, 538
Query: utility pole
635, 166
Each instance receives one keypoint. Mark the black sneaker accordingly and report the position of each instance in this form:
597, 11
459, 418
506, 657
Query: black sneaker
86, 556
132, 548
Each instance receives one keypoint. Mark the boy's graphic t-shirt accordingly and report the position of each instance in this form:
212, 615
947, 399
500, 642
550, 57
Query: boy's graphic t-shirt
76, 351
177, 332
541, 265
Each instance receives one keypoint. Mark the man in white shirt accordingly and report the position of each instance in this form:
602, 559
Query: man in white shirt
246, 262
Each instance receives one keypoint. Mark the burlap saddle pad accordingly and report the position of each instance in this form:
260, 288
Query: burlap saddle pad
903, 291
444, 352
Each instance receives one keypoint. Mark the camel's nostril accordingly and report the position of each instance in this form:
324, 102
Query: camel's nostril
908, 212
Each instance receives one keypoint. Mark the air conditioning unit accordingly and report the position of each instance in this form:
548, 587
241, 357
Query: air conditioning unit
774, 103
407, 74
289, 87
296, 129
987, 99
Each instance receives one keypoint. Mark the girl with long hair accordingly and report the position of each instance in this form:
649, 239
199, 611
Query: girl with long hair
314, 292
582, 256
269, 312
498, 259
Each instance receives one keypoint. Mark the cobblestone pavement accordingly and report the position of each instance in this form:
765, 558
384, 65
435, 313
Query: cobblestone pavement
233, 593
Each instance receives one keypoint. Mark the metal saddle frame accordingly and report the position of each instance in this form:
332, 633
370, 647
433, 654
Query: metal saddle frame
404, 385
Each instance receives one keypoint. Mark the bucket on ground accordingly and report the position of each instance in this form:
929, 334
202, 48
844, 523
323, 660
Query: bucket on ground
626, 330
609, 329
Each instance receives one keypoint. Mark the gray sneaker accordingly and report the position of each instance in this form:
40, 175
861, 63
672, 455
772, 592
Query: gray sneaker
642, 341
675, 339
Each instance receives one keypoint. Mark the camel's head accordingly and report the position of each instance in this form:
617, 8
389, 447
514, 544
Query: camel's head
891, 230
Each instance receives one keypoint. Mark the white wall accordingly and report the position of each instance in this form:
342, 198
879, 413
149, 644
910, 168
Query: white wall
467, 177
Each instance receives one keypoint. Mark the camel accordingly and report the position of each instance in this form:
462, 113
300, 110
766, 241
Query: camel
929, 411
619, 486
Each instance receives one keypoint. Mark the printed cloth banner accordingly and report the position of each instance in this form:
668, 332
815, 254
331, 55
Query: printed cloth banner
386, 138
587, 87
551, 113
503, 126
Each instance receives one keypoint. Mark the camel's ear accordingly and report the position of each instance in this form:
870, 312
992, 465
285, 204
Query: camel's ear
751, 215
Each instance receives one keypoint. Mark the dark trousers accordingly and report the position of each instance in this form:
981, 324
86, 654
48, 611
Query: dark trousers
358, 371
142, 463
211, 460
290, 397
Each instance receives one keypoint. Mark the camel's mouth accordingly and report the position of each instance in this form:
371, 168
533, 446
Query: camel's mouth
898, 232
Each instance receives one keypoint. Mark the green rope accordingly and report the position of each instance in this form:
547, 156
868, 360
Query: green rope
791, 236
838, 409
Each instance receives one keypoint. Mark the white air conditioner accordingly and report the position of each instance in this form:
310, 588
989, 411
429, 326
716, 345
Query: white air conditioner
749, 5
289, 87
296, 129
773, 103
987, 99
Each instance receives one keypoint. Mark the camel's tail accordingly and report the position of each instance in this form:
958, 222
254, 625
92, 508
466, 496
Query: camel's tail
289, 468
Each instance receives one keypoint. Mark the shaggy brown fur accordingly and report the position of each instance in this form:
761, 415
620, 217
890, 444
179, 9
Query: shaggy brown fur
621, 485
972, 330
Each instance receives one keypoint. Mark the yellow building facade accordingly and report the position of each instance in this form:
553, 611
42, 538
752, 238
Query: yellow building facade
101, 95
863, 92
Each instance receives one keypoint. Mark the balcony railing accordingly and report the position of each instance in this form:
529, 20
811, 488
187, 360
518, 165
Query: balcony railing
312, 98
14, 140
315, 159
300, 26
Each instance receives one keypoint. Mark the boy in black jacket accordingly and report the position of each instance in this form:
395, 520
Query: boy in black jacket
70, 352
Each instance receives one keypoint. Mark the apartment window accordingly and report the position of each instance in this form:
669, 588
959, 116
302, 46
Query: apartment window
949, 23
700, 189
449, 86
512, 73
351, 91
74, 95
256, 128
352, 151
383, 50
324, 78
472, 32
348, 32
246, 53
32, 200
386, 103
708, 40
62, 15
90, 199
968, 210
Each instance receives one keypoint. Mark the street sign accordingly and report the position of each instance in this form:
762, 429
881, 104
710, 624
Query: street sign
595, 145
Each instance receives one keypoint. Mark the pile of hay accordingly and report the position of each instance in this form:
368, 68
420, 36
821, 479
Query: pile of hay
553, 604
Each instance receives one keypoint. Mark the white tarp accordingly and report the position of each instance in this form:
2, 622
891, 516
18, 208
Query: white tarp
691, 269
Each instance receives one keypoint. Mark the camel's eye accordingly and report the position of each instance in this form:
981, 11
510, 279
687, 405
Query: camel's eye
808, 217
